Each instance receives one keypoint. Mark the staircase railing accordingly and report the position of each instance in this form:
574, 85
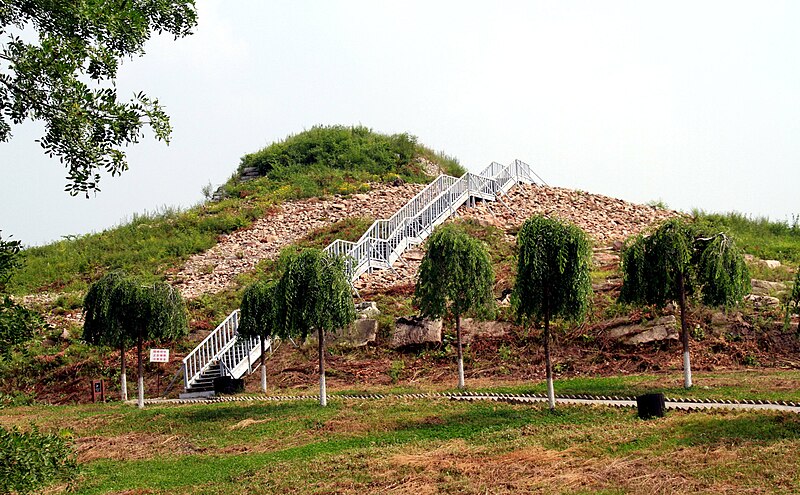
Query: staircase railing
379, 247
385, 240
210, 349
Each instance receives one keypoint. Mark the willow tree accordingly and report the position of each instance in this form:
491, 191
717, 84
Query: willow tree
675, 262
313, 294
120, 311
553, 279
102, 325
259, 318
455, 278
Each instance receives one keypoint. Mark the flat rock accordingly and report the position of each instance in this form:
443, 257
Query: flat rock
760, 301
764, 287
663, 328
416, 331
367, 309
471, 328
362, 332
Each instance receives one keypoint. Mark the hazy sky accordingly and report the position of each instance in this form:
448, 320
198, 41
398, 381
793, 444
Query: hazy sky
694, 103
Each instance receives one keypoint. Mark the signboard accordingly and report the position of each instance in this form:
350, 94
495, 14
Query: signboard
159, 355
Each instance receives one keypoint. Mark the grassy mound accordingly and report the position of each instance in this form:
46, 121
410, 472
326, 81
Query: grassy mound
321, 161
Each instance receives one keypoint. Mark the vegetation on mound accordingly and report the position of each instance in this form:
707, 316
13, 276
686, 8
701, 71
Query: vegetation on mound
322, 161
758, 236
355, 148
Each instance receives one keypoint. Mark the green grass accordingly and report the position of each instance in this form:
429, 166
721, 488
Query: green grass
419, 445
751, 385
758, 235
319, 162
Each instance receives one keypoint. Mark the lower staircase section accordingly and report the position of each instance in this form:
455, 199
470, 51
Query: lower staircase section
225, 353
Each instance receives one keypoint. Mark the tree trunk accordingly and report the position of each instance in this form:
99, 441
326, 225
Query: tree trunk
323, 393
687, 365
551, 397
124, 375
141, 373
461, 385
263, 367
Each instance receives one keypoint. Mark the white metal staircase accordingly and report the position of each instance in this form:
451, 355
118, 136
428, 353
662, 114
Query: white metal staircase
225, 353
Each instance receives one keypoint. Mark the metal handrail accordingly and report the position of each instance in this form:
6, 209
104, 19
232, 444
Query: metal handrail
379, 247
385, 240
209, 349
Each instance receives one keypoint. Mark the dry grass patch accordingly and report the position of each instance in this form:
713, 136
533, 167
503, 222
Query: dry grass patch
133, 446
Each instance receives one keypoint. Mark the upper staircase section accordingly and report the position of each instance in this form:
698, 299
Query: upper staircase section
384, 242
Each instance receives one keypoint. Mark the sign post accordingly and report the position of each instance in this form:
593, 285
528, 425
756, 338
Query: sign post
159, 356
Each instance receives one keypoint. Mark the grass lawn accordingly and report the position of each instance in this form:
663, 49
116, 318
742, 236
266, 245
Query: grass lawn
430, 446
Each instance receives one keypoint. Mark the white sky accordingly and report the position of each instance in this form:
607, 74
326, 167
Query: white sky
693, 103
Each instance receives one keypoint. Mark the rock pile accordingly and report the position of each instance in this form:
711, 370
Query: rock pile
606, 220
240, 251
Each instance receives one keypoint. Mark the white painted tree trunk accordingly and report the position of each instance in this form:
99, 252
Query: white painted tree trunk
124, 393
461, 384
323, 392
263, 367
687, 370
551, 395
123, 377
140, 403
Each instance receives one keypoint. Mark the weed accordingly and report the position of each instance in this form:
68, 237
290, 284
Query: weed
396, 370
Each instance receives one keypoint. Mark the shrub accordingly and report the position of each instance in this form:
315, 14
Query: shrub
31, 460
17, 325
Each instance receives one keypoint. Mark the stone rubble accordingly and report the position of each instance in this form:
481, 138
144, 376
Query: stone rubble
239, 252
607, 221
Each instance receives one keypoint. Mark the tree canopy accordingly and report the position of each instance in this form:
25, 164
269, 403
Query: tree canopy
454, 278
65, 78
552, 271
259, 310
313, 293
553, 278
119, 311
710, 265
677, 261
9, 260
17, 323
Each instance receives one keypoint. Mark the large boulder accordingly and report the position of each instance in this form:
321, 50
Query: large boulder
766, 288
471, 328
660, 329
362, 332
415, 331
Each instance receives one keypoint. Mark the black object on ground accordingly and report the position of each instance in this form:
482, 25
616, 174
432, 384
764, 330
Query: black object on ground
227, 385
651, 406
